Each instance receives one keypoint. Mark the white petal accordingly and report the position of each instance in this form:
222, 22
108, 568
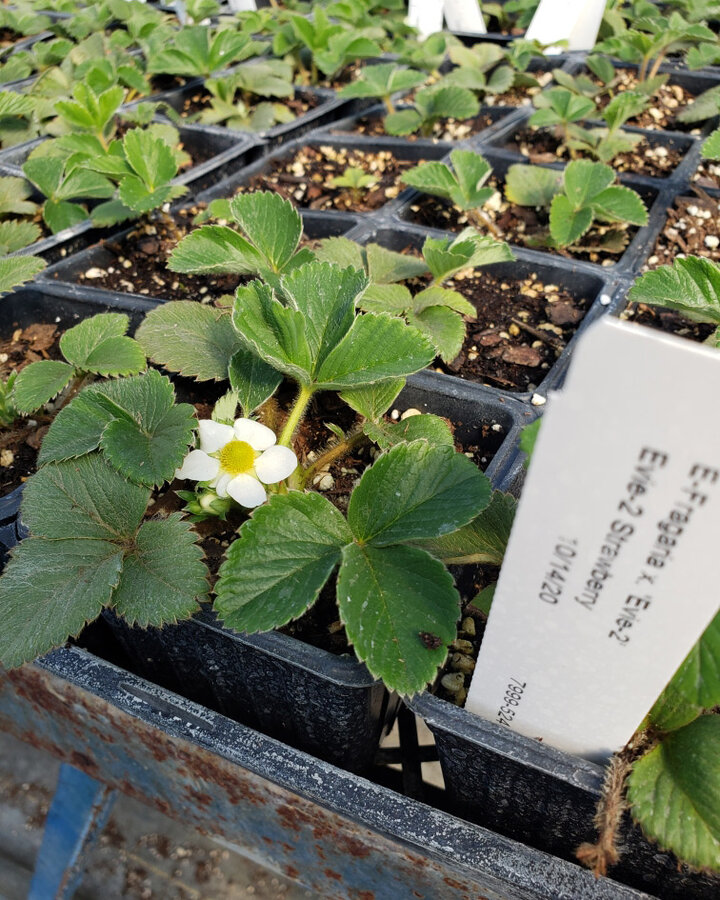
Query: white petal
259, 436
198, 466
246, 490
214, 435
275, 464
221, 484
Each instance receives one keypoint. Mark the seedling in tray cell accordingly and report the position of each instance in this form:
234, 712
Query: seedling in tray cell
579, 199
231, 104
562, 110
355, 181
199, 50
382, 81
430, 106
462, 185
491, 69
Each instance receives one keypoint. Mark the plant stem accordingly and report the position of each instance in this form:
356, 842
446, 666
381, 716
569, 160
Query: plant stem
642, 74
389, 104
656, 65
296, 413
481, 219
337, 451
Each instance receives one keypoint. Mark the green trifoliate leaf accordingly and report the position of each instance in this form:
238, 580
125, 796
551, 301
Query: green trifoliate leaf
426, 427
215, 248
440, 296
252, 380
376, 347
373, 400
446, 103
431, 178
705, 106
283, 557
134, 194
326, 296
695, 686
83, 498
192, 339
531, 185
12, 104
99, 345
444, 327
17, 270
382, 81
50, 590
482, 541
39, 382
272, 225
559, 105
568, 224
624, 106
163, 574
447, 256
690, 285
14, 197
416, 491
400, 608
472, 170
674, 793
149, 434
711, 147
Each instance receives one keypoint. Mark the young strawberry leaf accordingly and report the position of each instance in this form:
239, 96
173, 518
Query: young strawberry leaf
691, 285
447, 256
694, 687
482, 541
383, 81
431, 105
285, 553
711, 147
149, 434
442, 326
388, 597
163, 576
39, 382
374, 400
674, 792
252, 380
17, 270
99, 345
425, 427
531, 185
189, 338
435, 492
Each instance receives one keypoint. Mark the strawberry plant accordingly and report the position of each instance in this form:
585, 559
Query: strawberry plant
432, 104
382, 81
581, 196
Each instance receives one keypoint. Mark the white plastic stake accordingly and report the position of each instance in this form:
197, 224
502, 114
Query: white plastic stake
242, 5
576, 22
426, 16
610, 576
464, 15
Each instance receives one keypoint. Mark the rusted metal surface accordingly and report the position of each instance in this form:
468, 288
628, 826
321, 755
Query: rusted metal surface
337, 833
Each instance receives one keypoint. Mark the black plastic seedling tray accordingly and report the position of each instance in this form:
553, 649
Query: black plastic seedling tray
544, 798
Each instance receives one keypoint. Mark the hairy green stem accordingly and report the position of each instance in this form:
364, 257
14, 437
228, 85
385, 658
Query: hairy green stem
304, 397
337, 451
481, 219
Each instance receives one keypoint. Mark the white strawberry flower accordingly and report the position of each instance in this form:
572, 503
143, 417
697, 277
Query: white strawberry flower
237, 460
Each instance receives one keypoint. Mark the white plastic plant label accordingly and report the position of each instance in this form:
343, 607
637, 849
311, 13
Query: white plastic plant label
610, 576
242, 5
464, 15
576, 22
426, 16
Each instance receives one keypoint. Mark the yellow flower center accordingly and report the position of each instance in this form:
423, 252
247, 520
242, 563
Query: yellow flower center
237, 457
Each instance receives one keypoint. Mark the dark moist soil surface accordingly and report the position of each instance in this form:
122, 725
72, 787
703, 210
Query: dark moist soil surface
521, 225
20, 443
665, 105
445, 130
692, 228
646, 158
320, 626
303, 178
137, 264
201, 99
522, 327
668, 321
